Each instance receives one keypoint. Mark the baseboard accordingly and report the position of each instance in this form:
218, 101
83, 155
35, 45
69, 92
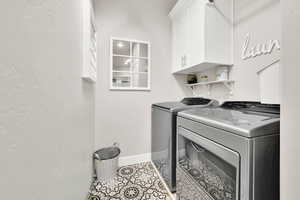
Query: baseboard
131, 160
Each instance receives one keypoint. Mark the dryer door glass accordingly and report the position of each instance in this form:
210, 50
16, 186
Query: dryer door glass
205, 168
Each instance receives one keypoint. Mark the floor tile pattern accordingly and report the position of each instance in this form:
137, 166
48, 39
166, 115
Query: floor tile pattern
187, 189
162, 166
212, 180
134, 182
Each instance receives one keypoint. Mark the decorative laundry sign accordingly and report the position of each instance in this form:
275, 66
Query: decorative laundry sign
259, 49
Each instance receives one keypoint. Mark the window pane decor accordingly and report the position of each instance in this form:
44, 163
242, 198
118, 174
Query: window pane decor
130, 65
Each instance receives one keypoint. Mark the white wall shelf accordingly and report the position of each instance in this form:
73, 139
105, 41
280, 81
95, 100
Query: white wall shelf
199, 68
89, 71
126, 56
227, 83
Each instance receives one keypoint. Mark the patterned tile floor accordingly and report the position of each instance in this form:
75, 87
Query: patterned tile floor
134, 182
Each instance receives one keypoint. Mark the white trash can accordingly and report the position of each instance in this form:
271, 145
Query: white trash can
106, 163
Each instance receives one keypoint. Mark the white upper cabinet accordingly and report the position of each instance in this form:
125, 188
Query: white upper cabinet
201, 35
179, 39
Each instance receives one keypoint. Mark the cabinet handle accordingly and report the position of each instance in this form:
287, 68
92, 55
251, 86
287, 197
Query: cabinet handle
183, 61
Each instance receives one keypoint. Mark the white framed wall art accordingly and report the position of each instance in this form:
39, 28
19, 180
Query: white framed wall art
130, 64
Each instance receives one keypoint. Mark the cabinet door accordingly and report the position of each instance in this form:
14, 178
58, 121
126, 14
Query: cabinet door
179, 39
195, 30
218, 32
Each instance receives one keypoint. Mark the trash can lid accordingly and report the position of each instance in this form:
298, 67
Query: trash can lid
108, 153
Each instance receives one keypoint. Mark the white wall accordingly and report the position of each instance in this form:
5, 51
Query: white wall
290, 109
124, 117
46, 110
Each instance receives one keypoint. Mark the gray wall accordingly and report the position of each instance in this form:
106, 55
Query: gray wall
124, 116
289, 136
46, 110
261, 19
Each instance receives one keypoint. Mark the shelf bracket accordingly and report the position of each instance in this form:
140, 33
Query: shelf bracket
229, 86
193, 90
208, 89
